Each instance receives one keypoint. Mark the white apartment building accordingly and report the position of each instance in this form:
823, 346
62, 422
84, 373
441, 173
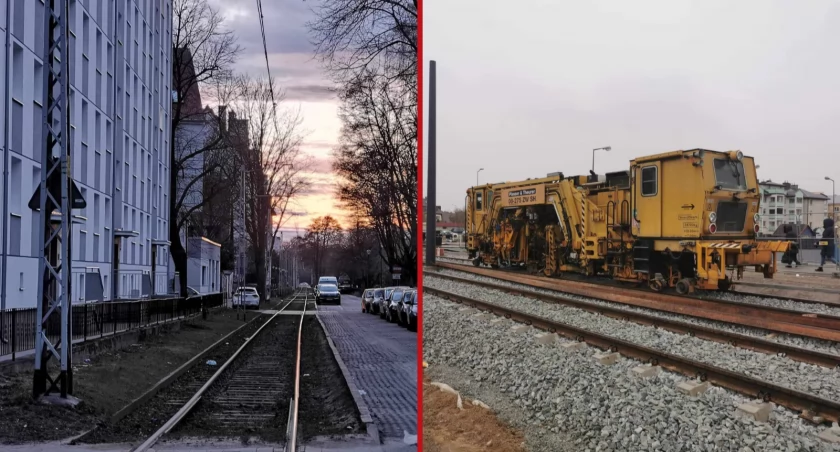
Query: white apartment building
120, 76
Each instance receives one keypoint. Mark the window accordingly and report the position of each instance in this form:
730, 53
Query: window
479, 200
14, 234
82, 246
20, 18
649, 182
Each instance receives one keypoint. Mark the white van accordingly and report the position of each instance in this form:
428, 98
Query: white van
326, 280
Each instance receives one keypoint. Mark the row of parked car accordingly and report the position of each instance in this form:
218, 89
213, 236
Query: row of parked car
394, 304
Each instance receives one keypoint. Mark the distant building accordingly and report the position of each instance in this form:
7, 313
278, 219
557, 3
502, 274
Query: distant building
815, 208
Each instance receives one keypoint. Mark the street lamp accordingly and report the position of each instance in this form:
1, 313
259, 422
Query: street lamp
476, 175
833, 208
605, 148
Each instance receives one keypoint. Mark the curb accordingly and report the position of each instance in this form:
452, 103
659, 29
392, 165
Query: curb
364, 412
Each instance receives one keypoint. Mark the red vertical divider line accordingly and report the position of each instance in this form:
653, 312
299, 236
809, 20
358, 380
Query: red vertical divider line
420, 241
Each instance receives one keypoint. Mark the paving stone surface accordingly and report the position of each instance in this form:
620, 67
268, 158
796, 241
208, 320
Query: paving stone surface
381, 358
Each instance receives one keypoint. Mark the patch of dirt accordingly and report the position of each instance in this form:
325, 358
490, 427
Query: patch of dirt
326, 404
473, 429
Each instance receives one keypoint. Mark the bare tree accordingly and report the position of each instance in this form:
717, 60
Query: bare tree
358, 37
323, 235
370, 48
204, 52
377, 162
272, 164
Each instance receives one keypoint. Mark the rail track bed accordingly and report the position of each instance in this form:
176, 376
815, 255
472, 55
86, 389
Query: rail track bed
586, 403
251, 397
802, 323
277, 382
151, 415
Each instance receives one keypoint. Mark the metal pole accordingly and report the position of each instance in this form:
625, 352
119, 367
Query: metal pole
55, 260
242, 242
431, 165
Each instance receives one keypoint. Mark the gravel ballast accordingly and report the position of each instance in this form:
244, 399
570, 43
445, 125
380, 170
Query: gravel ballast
820, 381
787, 339
597, 407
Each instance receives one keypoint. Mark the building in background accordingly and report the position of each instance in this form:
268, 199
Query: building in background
120, 104
815, 208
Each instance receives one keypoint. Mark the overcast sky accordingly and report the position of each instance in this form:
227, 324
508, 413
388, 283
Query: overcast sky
291, 60
531, 87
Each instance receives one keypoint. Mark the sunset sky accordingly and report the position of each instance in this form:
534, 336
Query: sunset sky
291, 58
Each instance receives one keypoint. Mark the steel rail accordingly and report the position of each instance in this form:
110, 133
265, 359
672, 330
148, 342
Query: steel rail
188, 406
735, 288
676, 326
744, 384
294, 417
801, 323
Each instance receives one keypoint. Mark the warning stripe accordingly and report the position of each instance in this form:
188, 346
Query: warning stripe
583, 216
725, 245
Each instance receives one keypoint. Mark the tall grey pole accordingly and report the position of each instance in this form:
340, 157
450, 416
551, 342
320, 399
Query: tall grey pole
431, 167
242, 249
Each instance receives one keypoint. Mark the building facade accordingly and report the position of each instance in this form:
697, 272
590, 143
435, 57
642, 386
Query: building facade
120, 100
786, 203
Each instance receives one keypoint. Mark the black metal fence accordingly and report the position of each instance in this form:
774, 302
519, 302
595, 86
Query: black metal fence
97, 320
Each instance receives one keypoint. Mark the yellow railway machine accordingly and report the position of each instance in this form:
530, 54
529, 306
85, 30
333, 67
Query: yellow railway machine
682, 219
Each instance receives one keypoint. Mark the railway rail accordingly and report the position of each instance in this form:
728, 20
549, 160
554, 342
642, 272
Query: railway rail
676, 326
736, 290
242, 401
811, 407
779, 320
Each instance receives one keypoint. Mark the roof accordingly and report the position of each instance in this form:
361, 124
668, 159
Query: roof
191, 104
812, 195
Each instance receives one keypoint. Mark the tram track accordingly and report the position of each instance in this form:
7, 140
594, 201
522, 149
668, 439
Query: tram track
250, 391
815, 408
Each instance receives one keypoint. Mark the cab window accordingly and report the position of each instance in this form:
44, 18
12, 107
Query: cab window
479, 200
649, 182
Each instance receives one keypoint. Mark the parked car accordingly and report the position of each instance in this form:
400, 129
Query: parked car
303, 285
367, 297
192, 292
383, 302
373, 304
393, 302
247, 297
345, 286
407, 314
326, 293
401, 305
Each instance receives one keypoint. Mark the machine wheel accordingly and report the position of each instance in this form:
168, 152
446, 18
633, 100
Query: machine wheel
683, 286
724, 284
477, 262
655, 285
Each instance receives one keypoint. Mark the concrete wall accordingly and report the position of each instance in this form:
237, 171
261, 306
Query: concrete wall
204, 265
120, 109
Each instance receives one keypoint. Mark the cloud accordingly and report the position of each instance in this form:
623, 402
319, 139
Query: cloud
310, 93
643, 77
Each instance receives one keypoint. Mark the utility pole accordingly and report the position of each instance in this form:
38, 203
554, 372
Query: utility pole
431, 164
54, 304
